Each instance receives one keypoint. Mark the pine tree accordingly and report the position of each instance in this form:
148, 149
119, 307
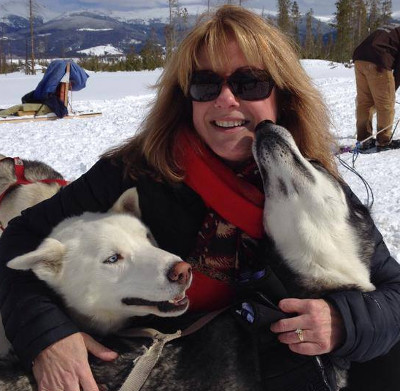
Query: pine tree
386, 11
374, 19
133, 62
283, 16
182, 23
360, 22
295, 17
151, 53
329, 47
32, 70
344, 27
309, 45
170, 29
319, 43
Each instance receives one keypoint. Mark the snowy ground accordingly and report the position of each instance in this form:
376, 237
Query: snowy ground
72, 146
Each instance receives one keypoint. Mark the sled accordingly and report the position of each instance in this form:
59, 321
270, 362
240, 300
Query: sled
48, 117
374, 149
50, 100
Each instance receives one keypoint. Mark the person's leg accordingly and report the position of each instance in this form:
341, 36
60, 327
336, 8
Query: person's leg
364, 101
381, 84
379, 374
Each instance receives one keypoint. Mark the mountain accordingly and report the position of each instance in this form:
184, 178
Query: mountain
20, 8
66, 34
73, 33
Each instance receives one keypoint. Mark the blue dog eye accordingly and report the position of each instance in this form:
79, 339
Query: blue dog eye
114, 258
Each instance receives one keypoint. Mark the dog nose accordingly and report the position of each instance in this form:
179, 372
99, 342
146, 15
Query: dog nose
180, 273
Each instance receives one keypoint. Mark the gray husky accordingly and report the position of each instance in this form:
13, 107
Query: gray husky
322, 236
227, 353
43, 181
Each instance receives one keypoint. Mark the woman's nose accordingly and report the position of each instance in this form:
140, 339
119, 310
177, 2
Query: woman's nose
226, 98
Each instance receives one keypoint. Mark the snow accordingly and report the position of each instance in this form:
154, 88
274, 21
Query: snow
88, 29
73, 146
21, 8
101, 50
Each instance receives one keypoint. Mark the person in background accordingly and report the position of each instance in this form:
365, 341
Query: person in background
377, 70
231, 72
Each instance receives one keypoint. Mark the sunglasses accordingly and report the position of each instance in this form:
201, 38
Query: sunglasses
245, 83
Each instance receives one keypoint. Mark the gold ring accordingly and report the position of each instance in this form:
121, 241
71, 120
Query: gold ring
299, 333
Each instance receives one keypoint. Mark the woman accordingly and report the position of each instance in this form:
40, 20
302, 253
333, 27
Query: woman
231, 72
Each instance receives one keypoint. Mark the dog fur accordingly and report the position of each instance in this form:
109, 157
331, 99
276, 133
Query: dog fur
323, 237
22, 197
101, 263
217, 357
225, 354
132, 276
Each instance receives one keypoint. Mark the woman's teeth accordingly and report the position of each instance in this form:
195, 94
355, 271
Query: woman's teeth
229, 124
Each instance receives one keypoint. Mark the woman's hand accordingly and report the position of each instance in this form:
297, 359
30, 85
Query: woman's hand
64, 365
319, 326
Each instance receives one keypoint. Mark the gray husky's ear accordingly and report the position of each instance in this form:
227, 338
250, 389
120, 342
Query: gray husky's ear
128, 202
45, 261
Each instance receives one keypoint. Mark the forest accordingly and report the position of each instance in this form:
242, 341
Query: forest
352, 21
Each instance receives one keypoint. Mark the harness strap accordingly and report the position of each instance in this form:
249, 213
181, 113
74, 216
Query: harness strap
20, 174
145, 363
19, 170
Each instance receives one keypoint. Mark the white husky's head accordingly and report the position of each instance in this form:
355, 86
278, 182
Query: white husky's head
107, 268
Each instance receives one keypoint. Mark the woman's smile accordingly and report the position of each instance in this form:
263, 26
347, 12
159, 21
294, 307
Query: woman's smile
226, 124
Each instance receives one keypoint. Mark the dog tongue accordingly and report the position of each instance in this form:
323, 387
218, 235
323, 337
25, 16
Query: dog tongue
179, 300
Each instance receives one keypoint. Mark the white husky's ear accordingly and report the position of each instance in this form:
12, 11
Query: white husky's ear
128, 202
45, 261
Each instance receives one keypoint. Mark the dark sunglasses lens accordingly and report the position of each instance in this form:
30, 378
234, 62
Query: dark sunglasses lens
205, 86
248, 84
251, 85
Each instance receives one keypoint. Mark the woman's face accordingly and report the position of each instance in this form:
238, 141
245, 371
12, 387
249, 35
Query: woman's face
227, 123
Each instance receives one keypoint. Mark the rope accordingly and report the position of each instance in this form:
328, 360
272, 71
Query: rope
356, 151
145, 363
368, 188
357, 145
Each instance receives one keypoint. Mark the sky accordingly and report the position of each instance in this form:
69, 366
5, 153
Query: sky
323, 8
72, 146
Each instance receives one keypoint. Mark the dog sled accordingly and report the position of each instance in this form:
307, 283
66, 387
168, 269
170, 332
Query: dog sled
50, 100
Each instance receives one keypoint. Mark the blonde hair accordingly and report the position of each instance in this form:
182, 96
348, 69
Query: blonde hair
301, 107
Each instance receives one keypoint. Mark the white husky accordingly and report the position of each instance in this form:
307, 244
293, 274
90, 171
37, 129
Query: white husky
107, 269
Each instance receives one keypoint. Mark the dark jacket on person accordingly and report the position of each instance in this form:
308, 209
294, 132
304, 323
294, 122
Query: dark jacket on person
382, 48
174, 213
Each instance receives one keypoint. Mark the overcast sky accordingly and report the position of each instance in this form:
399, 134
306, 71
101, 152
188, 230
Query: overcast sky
320, 7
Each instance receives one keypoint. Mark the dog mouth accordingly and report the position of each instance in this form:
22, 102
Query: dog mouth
179, 303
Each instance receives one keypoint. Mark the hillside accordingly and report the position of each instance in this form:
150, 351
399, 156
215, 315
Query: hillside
72, 33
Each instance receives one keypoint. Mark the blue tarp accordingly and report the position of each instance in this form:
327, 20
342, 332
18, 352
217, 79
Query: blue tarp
45, 91
53, 76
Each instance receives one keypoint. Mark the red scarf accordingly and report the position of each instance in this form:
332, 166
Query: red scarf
234, 199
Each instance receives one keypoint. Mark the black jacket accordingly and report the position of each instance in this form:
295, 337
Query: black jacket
382, 48
174, 213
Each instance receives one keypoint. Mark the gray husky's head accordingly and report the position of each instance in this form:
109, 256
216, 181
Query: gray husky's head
282, 167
